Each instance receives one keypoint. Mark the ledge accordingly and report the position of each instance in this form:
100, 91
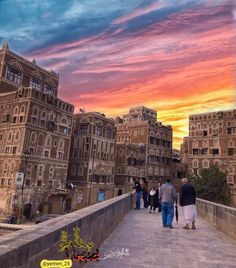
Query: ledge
220, 216
27, 247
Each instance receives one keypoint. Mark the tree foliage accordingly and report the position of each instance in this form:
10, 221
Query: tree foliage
212, 185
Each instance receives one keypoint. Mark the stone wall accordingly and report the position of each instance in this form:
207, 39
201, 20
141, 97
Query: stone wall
220, 216
26, 248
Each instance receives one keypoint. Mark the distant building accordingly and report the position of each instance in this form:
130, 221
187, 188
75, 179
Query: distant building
130, 162
179, 170
144, 148
35, 136
92, 158
212, 140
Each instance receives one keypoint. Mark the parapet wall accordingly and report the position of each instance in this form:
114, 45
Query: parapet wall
220, 216
26, 248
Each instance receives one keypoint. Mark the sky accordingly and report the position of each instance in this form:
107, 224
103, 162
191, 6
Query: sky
176, 57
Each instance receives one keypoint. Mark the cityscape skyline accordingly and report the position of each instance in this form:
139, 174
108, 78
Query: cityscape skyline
176, 58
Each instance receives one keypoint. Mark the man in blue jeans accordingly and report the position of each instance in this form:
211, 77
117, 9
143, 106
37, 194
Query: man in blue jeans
168, 197
138, 190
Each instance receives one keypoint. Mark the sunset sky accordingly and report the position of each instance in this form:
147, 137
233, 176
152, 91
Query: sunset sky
176, 57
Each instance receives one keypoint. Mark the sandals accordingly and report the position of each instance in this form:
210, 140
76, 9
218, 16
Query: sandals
193, 228
186, 227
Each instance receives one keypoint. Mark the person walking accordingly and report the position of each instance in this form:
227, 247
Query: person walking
187, 200
138, 191
159, 203
153, 200
144, 186
168, 196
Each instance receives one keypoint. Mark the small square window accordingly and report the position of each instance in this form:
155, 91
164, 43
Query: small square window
27, 182
39, 183
230, 151
215, 151
31, 150
34, 120
7, 150
60, 155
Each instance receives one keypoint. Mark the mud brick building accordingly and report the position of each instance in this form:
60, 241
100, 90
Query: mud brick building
212, 140
35, 136
144, 148
92, 157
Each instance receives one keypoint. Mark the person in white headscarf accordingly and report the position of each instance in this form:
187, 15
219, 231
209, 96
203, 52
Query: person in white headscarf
153, 200
187, 200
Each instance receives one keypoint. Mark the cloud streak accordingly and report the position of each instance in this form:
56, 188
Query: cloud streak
177, 58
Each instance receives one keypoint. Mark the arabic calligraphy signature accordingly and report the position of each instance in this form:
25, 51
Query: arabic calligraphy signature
72, 248
116, 254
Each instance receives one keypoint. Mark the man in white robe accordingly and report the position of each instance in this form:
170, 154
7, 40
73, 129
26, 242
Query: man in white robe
187, 200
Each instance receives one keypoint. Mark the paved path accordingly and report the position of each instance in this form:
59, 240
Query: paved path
151, 245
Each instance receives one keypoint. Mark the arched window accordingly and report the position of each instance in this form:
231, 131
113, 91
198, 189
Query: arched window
6, 168
40, 170
16, 110
195, 163
36, 95
205, 164
9, 136
14, 72
51, 117
215, 143
35, 111
35, 81
61, 144
156, 171
162, 172
55, 143
12, 168
51, 172
48, 141
43, 115
22, 109
33, 137
16, 136
40, 139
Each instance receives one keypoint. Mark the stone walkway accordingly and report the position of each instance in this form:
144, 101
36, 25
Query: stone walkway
151, 245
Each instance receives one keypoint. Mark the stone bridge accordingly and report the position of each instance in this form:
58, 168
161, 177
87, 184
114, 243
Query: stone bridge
129, 238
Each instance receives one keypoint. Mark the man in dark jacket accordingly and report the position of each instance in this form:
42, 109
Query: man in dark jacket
138, 191
187, 200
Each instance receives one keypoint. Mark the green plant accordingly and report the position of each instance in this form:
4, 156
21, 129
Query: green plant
212, 185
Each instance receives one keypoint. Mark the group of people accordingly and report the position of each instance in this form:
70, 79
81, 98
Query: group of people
149, 198
164, 198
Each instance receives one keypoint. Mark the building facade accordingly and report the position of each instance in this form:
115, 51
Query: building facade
130, 162
35, 136
92, 155
212, 140
144, 148
16, 71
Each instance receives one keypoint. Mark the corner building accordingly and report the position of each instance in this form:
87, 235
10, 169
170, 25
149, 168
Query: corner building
35, 136
212, 140
144, 148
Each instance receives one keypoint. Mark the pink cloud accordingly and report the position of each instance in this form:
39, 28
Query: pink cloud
139, 12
